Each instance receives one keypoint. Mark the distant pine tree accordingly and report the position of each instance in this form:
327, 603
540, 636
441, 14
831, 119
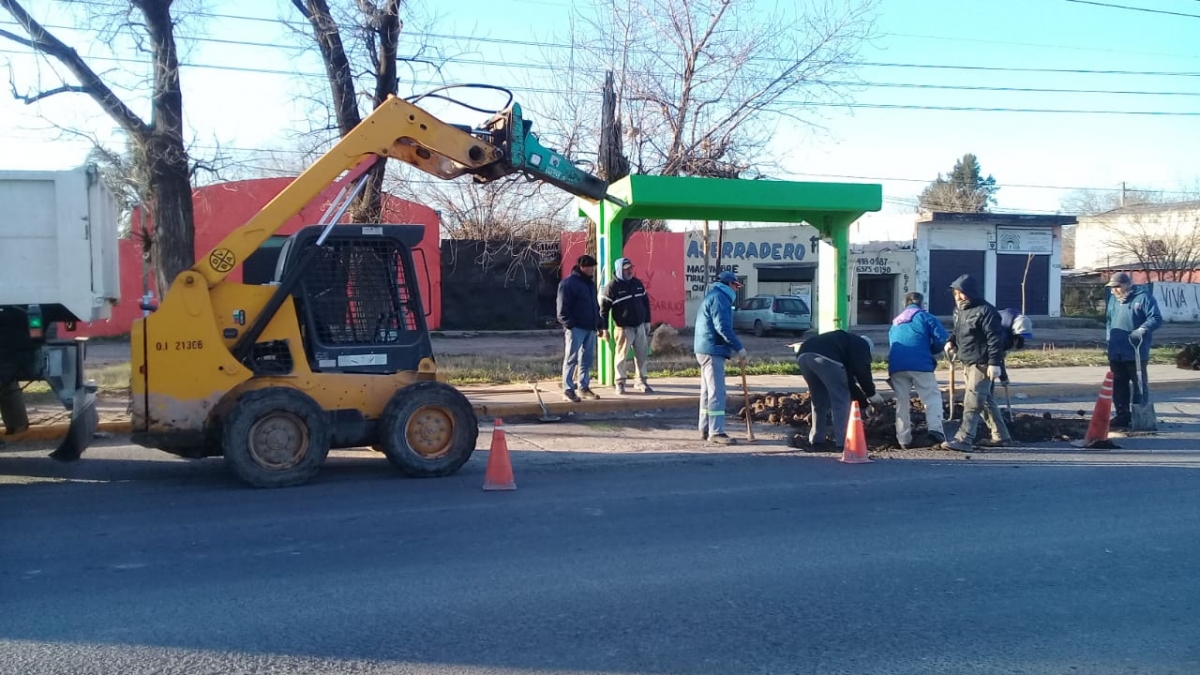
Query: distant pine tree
965, 190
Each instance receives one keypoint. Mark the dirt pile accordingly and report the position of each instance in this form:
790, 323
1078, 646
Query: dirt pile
665, 341
794, 410
1188, 358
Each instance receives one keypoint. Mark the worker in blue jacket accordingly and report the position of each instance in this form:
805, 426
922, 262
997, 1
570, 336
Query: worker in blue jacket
914, 340
714, 343
1132, 318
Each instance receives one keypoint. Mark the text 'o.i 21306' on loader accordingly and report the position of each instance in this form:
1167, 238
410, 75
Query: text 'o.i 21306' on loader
336, 352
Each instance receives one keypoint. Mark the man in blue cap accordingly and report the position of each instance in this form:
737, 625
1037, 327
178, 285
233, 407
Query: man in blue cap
1133, 315
714, 343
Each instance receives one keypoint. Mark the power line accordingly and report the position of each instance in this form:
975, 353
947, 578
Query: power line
1043, 45
801, 104
560, 45
551, 67
1135, 9
879, 179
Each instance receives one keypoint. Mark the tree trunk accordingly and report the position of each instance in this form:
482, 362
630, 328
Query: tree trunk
720, 243
169, 178
170, 200
1028, 262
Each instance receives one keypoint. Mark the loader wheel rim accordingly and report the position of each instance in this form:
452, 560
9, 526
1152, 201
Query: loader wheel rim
279, 441
430, 432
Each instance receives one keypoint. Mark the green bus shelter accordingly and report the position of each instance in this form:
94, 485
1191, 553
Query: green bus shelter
828, 207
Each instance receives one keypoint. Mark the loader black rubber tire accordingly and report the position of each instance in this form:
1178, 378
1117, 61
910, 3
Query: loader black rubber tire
12, 408
275, 437
428, 429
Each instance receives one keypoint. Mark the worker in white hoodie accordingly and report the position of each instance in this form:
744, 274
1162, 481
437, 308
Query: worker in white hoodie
625, 300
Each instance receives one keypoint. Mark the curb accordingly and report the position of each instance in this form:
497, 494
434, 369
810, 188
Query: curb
734, 402
54, 432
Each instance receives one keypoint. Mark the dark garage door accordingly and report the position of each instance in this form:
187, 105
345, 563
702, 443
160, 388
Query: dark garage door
1010, 269
946, 266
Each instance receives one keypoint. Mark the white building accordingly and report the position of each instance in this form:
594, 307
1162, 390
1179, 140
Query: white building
1016, 258
1145, 236
778, 259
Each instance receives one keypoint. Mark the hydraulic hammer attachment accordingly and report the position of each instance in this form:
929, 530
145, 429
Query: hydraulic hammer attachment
524, 153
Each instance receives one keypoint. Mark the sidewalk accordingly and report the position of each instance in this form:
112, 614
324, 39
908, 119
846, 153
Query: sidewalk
1080, 383
515, 401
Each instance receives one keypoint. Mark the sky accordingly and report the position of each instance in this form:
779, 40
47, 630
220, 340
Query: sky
247, 86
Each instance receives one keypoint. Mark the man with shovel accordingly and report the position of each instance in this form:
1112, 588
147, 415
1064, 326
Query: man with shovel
1133, 316
978, 341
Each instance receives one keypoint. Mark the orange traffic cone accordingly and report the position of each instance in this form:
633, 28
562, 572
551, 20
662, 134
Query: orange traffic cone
1098, 427
855, 449
499, 474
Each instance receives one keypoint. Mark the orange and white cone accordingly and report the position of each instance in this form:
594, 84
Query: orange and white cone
1101, 414
855, 449
499, 474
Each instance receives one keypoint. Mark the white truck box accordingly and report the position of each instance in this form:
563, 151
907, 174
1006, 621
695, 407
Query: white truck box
58, 241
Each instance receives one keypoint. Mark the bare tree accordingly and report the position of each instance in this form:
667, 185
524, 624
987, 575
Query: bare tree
699, 84
377, 26
499, 211
1164, 242
1090, 202
158, 145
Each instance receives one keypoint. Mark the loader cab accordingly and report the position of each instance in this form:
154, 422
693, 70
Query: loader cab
358, 301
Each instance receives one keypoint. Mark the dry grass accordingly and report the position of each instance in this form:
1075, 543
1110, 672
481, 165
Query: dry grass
479, 369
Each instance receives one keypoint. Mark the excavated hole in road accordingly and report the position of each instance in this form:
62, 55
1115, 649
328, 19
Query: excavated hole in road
793, 409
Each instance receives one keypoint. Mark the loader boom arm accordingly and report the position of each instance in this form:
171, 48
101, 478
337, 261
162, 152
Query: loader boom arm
400, 130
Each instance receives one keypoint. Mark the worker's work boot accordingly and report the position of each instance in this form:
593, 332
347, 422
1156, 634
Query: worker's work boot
620, 389
645, 388
956, 445
588, 393
722, 439
570, 395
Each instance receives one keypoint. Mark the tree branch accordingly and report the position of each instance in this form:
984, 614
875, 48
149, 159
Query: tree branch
43, 41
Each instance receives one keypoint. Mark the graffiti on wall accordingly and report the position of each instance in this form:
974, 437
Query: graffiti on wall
1178, 301
657, 262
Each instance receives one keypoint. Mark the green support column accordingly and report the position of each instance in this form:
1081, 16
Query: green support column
831, 207
833, 271
610, 237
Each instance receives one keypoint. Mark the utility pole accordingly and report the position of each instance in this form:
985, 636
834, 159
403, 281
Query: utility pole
1122, 202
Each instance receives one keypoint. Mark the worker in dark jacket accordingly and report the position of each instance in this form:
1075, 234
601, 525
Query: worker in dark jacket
579, 314
1133, 316
836, 366
978, 341
625, 300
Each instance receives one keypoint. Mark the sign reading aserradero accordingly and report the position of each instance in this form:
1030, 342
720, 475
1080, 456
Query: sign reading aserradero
751, 250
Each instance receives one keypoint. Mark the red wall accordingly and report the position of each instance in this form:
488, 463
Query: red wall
658, 261
220, 209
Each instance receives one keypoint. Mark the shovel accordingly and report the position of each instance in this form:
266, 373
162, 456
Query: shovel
1008, 418
546, 416
950, 363
749, 416
1143, 417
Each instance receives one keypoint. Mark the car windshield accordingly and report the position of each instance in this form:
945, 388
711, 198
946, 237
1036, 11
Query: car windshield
791, 306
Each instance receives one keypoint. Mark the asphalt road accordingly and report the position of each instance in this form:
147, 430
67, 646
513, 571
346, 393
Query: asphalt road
687, 563
773, 345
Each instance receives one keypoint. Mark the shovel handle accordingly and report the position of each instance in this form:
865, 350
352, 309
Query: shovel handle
746, 393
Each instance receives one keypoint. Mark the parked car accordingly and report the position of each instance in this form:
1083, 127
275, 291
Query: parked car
763, 313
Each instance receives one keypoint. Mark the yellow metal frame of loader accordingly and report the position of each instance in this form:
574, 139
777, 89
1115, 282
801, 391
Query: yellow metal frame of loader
182, 366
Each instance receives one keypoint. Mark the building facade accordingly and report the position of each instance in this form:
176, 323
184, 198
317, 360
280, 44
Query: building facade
1160, 240
777, 260
1016, 258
